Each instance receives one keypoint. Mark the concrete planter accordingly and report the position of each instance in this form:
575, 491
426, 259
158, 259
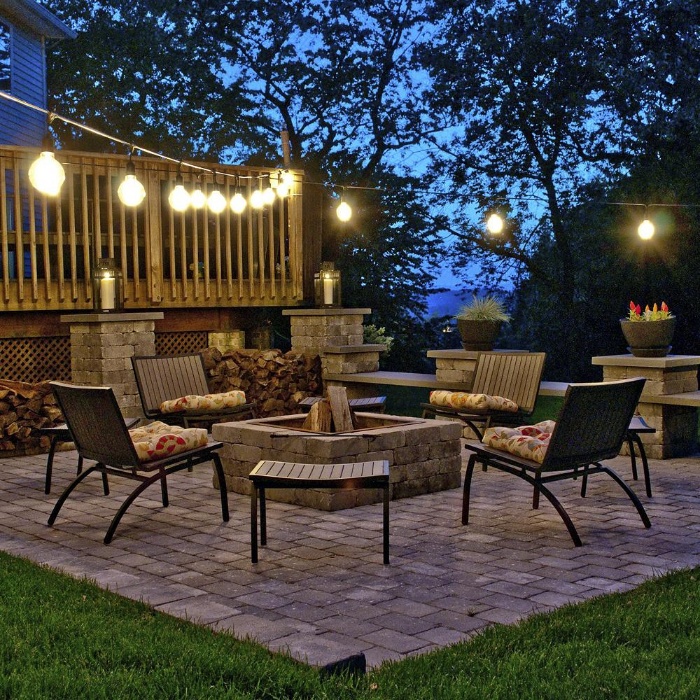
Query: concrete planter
478, 335
649, 338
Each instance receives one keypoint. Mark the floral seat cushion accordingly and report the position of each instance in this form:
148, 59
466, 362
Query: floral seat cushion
200, 404
528, 441
159, 440
476, 403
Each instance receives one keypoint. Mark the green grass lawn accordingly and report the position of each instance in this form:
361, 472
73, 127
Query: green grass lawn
63, 638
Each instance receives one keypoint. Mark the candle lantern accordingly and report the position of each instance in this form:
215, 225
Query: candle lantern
107, 286
327, 286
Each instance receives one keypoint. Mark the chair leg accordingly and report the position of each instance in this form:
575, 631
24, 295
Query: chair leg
632, 439
466, 492
49, 464
222, 486
631, 494
540, 488
263, 516
69, 489
127, 502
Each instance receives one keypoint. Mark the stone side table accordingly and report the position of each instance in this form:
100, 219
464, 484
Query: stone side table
676, 426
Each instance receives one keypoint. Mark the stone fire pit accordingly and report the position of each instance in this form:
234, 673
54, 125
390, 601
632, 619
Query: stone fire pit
424, 455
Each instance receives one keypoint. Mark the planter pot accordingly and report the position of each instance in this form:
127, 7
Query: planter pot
478, 335
649, 338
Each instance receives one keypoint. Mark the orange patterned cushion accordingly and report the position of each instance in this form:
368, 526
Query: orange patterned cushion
529, 441
208, 402
476, 403
159, 440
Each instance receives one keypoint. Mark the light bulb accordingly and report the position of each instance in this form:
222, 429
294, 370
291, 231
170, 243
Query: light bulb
282, 190
344, 211
179, 198
198, 199
495, 224
287, 178
216, 202
46, 174
238, 203
268, 195
257, 199
646, 230
131, 192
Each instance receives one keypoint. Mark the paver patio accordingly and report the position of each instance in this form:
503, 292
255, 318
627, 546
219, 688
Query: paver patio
320, 591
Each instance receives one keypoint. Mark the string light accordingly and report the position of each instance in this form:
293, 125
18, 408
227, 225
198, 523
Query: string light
46, 174
216, 201
238, 203
179, 198
131, 192
197, 198
495, 224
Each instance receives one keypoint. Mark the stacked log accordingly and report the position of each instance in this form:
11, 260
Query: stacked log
25, 408
272, 380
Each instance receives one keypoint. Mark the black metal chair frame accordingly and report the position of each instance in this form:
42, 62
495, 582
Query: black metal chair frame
591, 427
101, 434
165, 377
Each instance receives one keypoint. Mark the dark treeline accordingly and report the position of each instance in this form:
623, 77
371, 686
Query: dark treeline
548, 111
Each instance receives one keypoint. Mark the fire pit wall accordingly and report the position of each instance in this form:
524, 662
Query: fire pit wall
424, 456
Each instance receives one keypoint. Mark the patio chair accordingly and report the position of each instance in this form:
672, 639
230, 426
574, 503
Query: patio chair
514, 376
100, 434
163, 379
591, 427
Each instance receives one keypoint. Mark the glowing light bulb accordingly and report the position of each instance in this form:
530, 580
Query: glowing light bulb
268, 195
238, 203
495, 224
344, 211
198, 199
257, 199
646, 230
179, 198
46, 174
216, 202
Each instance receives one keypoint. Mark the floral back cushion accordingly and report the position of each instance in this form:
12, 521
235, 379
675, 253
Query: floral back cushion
528, 441
476, 403
208, 402
159, 440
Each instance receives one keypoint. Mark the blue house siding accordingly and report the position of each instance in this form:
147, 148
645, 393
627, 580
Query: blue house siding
19, 125
29, 24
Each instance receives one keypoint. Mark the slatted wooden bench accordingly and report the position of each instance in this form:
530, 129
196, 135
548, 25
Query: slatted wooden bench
294, 475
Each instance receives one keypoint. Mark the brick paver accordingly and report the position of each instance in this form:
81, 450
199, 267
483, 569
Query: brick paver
320, 591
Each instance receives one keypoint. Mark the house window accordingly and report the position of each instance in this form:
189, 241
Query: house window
5, 35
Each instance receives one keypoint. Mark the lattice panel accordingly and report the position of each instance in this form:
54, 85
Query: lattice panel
35, 360
181, 343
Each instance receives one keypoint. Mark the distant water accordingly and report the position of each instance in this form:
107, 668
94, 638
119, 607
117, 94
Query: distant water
446, 303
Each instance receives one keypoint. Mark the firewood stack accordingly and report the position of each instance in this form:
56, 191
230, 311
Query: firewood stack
23, 409
274, 381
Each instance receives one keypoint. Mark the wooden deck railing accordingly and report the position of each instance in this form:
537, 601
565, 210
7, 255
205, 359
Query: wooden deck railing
48, 246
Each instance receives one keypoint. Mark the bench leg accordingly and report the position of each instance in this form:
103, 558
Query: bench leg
253, 524
386, 523
263, 517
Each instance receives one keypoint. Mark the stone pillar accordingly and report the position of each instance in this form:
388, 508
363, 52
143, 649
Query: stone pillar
102, 346
454, 366
676, 425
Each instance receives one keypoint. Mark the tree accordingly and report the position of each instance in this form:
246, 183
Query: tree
536, 102
335, 76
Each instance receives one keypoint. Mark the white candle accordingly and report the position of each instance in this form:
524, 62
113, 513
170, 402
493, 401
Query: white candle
327, 290
107, 293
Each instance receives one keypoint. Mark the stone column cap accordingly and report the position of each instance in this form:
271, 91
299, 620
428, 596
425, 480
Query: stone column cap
113, 318
346, 349
326, 312
667, 362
